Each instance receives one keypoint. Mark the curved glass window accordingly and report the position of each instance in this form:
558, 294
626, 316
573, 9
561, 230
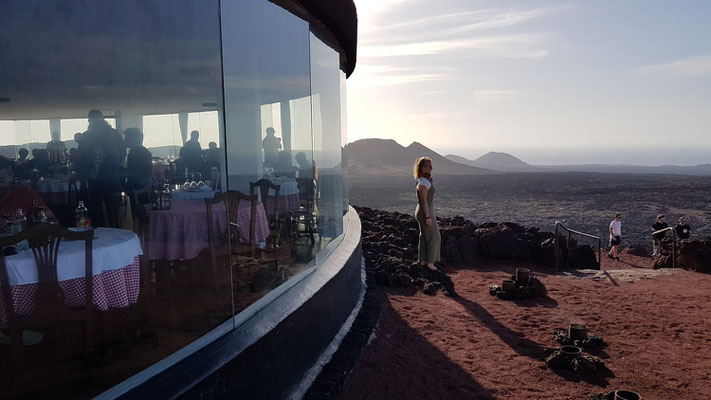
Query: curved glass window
200, 142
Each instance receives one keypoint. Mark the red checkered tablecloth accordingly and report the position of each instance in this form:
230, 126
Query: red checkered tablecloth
114, 288
287, 203
181, 232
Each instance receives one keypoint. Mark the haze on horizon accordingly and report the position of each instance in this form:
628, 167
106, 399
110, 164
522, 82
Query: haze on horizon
550, 82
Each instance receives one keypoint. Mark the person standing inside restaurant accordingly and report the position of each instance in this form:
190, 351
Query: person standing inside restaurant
657, 238
683, 230
191, 153
428, 251
56, 149
271, 145
101, 152
615, 237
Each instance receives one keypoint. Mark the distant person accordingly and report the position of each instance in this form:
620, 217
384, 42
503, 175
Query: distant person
283, 166
22, 156
615, 237
191, 153
211, 158
101, 152
306, 180
14, 197
139, 162
40, 161
683, 230
428, 250
271, 145
56, 149
657, 238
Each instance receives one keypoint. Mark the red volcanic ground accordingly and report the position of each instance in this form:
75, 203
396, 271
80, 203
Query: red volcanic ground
656, 324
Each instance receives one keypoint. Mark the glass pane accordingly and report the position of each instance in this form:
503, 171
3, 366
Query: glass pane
104, 99
326, 108
269, 146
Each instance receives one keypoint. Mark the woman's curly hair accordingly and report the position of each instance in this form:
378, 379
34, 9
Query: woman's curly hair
417, 168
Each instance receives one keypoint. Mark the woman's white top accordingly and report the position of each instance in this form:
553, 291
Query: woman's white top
424, 182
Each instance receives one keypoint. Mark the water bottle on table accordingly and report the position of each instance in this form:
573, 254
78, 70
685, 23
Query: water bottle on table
82, 218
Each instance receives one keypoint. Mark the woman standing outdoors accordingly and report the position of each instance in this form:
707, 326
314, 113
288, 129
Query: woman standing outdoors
428, 248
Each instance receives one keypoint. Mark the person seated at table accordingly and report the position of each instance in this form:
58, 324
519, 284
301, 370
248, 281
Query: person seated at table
284, 166
308, 174
56, 149
191, 153
14, 197
211, 158
22, 156
139, 162
40, 161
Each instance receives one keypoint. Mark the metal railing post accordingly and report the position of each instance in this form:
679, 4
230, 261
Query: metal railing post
570, 232
669, 228
567, 252
556, 246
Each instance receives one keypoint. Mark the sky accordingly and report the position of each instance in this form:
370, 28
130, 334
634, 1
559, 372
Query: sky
607, 81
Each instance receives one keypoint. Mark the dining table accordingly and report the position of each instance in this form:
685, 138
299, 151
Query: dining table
288, 195
182, 231
115, 269
51, 190
204, 192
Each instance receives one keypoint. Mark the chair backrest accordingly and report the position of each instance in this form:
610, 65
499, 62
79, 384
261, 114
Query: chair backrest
232, 201
44, 240
264, 185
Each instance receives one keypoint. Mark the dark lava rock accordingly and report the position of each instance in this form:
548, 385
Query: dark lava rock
583, 257
582, 365
637, 250
533, 289
591, 342
695, 254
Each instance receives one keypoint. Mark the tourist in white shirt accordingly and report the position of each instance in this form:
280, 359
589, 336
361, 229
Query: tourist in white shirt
615, 236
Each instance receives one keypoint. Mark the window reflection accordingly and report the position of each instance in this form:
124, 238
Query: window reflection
96, 139
199, 206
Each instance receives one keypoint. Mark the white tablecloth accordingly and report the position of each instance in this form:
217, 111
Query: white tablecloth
288, 186
112, 249
205, 193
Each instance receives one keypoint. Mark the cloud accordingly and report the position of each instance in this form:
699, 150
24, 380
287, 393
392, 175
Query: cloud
509, 46
686, 68
388, 75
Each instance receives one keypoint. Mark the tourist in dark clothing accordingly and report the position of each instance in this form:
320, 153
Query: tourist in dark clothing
683, 230
139, 162
101, 152
191, 153
657, 238
40, 162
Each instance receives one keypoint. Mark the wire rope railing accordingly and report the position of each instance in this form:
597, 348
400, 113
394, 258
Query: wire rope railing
567, 244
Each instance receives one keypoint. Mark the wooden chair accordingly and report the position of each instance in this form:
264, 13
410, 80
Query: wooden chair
307, 214
272, 208
44, 240
242, 254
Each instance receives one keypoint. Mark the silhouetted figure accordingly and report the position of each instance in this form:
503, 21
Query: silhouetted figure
307, 179
22, 156
271, 145
40, 161
283, 165
101, 151
56, 149
191, 153
212, 158
683, 230
139, 162
657, 238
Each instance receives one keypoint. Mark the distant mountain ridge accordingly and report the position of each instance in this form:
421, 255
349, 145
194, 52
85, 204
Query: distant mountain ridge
387, 157
505, 162
495, 161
